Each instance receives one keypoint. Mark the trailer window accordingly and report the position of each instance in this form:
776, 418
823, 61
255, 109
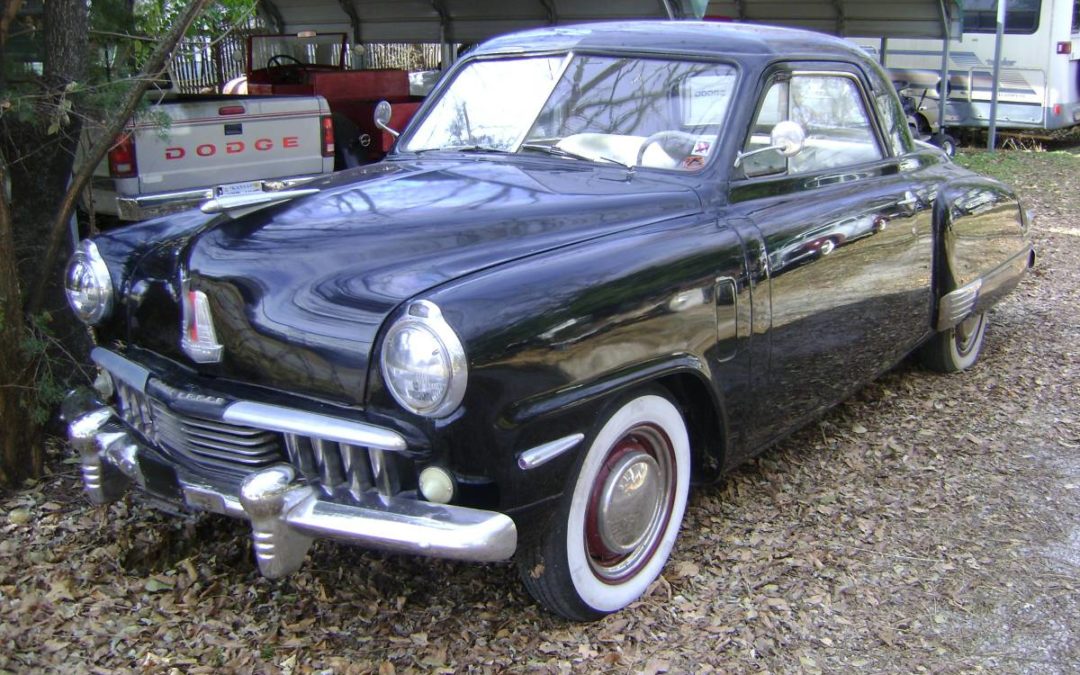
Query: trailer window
1076, 18
1021, 16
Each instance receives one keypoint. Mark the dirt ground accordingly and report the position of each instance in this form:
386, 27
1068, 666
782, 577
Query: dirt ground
931, 524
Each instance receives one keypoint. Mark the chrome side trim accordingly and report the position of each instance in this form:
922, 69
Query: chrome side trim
291, 421
542, 454
128, 372
956, 305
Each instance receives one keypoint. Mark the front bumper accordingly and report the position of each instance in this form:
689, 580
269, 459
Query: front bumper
286, 513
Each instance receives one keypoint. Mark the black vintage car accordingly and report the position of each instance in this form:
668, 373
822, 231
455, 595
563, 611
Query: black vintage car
603, 262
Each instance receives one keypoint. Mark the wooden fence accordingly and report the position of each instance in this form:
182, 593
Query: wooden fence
202, 65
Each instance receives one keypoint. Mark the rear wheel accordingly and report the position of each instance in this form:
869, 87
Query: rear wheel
616, 526
958, 348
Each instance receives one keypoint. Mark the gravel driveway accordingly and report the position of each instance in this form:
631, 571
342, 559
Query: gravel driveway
930, 524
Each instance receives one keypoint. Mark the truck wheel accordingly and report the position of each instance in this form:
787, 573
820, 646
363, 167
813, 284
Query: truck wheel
617, 523
945, 142
956, 349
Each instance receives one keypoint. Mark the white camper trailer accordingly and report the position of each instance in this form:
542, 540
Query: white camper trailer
1039, 84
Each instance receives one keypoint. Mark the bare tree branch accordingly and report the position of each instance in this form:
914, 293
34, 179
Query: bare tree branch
154, 68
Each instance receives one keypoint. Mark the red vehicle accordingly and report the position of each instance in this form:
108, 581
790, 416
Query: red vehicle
310, 64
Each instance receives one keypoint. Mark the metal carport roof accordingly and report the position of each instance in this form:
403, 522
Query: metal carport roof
849, 18
474, 20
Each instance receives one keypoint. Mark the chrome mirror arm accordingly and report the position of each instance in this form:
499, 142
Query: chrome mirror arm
743, 155
382, 118
787, 138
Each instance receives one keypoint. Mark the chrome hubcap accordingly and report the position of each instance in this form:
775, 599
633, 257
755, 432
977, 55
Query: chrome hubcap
630, 504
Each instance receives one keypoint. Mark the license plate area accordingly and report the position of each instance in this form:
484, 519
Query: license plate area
160, 478
245, 188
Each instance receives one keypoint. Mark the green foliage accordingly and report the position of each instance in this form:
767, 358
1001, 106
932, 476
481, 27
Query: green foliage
54, 368
153, 17
125, 33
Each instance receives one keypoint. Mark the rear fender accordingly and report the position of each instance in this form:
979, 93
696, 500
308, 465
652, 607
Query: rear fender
983, 248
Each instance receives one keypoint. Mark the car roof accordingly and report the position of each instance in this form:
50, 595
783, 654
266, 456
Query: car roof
706, 38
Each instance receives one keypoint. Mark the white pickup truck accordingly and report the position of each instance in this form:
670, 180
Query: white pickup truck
213, 146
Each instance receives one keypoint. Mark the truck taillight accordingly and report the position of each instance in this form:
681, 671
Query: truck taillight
327, 136
122, 158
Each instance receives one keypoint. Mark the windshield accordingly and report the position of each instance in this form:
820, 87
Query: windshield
324, 50
633, 111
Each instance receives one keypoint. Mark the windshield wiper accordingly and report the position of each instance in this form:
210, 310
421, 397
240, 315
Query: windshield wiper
464, 148
556, 151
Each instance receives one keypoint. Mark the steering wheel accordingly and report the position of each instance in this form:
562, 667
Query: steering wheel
276, 63
677, 144
273, 61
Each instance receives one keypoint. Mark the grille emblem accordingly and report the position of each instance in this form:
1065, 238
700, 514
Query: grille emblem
199, 340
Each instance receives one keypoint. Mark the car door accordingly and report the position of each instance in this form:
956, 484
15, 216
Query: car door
848, 243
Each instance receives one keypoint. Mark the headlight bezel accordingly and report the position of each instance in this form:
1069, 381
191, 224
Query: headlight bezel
426, 316
89, 258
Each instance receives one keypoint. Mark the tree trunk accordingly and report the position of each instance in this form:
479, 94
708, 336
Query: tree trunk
20, 450
38, 165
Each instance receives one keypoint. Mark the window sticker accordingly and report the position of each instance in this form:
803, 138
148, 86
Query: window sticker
706, 97
702, 147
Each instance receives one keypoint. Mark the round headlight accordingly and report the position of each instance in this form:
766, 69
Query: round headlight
88, 284
423, 362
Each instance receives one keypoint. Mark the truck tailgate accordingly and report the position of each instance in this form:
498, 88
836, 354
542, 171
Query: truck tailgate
229, 140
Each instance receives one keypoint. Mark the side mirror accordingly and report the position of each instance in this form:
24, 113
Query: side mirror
383, 111
787, 138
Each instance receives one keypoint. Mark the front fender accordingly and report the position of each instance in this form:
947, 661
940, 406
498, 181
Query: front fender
550, 339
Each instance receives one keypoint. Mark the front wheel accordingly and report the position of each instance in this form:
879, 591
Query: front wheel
958, 348
614, 531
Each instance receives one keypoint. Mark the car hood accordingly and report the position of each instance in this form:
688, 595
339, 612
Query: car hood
299, 291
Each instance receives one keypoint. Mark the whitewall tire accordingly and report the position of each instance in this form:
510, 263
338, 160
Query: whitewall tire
617, 524
958, 348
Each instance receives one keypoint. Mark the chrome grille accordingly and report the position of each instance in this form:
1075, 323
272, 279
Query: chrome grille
340, 468
208, 442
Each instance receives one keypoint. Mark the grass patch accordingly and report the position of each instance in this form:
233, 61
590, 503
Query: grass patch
1013, 165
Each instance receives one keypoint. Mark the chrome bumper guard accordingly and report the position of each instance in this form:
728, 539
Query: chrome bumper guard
981, 293
286, 514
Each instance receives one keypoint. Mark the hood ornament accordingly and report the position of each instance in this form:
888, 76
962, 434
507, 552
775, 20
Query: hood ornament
235, 206
198, 338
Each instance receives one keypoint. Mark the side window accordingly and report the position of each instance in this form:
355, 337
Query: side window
831, 112
1021, 16
774, 108
894, 121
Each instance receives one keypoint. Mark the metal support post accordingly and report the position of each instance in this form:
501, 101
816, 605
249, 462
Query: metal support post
991, 141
